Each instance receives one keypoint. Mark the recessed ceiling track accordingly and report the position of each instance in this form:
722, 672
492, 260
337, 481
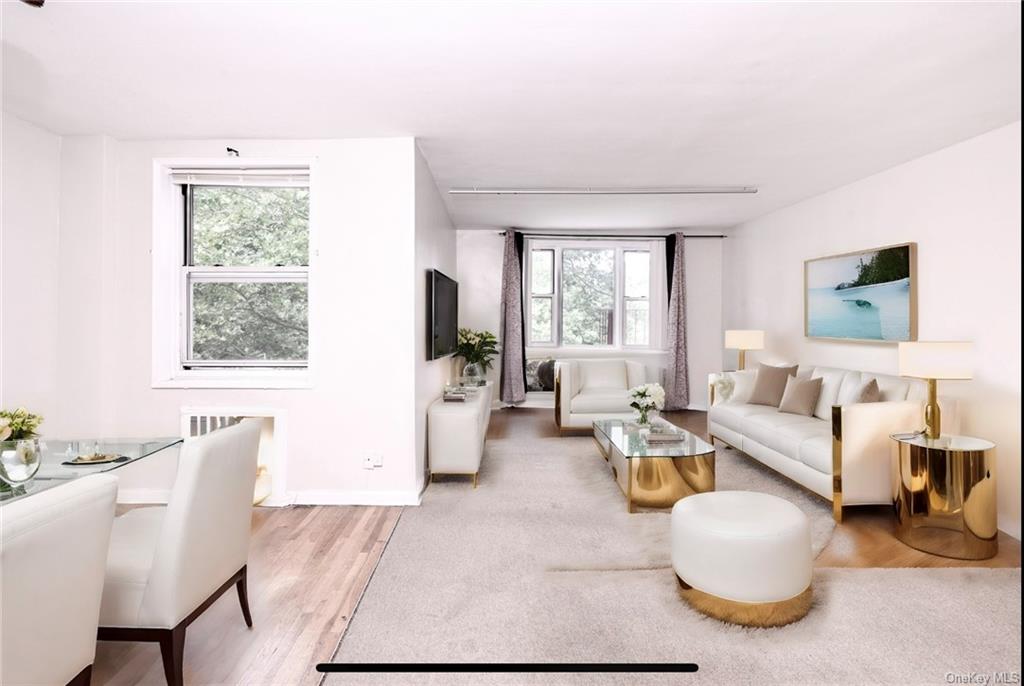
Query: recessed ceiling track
679, 190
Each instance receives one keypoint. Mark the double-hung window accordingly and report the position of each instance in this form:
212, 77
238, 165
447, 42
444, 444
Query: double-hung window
594, 293
245, 269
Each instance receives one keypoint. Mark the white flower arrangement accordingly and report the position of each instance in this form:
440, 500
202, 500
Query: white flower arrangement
647, 397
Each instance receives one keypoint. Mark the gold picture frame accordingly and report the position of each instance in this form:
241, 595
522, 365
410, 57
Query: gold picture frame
858, 317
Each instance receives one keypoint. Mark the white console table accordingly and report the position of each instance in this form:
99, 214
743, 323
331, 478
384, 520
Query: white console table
456, 433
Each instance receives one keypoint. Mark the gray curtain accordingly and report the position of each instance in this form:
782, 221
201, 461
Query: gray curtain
513, 374
677, 378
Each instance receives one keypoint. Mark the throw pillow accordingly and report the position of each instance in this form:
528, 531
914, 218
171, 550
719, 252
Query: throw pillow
532, 382
867, 392
770, 384
800, 396
546, 375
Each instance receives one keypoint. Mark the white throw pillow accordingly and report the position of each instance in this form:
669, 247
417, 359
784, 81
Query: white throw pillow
743, 385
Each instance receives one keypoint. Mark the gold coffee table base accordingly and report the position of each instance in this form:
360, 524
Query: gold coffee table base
945, 496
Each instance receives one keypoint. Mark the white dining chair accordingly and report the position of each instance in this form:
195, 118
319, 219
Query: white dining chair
53, 553
168, 564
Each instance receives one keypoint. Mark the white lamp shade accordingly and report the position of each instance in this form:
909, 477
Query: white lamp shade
937, 359
744, 339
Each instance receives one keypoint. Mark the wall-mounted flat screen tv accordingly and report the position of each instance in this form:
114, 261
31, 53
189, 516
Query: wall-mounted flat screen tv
442, 315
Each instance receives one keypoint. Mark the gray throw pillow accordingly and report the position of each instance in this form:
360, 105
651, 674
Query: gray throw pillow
770, 384
546, 375
867, 393
800, 396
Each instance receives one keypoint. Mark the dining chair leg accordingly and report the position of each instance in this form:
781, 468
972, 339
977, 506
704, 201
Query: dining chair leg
243, 595
83, 678
172, 650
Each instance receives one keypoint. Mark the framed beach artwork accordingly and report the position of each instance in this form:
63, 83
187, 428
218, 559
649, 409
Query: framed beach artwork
870, 295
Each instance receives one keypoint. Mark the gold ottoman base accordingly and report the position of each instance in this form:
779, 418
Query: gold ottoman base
778, 613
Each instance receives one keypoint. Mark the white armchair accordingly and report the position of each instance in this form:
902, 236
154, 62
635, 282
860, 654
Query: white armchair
49, 607
168, 564
591, 389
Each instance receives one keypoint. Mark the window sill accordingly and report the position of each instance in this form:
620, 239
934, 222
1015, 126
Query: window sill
240, 379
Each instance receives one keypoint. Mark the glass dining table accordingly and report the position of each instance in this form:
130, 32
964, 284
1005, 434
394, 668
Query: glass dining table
55, 466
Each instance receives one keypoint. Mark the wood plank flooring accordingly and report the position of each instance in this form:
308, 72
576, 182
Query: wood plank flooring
308, 567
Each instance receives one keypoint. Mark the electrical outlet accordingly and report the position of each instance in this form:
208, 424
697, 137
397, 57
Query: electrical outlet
368, 462
378, 460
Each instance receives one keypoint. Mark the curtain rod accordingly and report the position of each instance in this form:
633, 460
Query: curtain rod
598, 237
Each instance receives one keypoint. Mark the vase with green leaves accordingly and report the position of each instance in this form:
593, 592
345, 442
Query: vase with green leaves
478, 349
20, 454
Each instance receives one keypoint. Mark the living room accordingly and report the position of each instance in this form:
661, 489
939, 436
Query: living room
510, 343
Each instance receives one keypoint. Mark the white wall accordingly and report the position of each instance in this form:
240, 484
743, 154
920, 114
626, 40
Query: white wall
480, 255
29, 268
962, 207
435, 249
362, 305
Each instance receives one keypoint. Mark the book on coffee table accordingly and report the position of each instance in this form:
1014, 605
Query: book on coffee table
666, 437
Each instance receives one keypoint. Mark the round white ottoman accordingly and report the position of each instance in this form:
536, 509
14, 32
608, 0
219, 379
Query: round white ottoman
743, 557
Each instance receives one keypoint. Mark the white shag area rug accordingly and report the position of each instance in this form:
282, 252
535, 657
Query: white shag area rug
542, 563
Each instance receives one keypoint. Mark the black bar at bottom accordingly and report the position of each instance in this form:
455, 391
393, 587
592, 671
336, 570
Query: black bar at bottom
534, 667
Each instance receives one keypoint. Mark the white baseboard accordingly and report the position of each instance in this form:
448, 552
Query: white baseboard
342, 497
143, 496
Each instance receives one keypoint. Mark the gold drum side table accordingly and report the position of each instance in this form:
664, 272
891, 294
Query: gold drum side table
945, 495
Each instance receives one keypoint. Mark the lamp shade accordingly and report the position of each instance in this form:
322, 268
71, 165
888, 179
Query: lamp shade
937, 359
744, 339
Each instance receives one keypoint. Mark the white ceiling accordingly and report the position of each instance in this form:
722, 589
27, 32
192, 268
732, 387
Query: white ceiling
793, 98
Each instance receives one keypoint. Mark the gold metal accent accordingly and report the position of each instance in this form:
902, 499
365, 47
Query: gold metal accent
945, 500
778, 613
932, 414
913, 293
837, 463
661, 482
475, 475
743, 359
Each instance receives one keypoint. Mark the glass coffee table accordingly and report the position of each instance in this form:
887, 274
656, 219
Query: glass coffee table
655, 475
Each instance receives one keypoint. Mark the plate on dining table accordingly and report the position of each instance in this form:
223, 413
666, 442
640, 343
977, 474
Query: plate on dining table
88, 460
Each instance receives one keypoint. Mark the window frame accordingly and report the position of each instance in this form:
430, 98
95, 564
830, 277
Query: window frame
192, 274
621, 246
168, 256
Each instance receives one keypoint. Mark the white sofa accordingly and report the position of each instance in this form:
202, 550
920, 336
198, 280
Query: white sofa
590, 389
843, 451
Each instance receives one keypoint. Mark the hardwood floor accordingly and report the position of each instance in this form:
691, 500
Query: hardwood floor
308, 567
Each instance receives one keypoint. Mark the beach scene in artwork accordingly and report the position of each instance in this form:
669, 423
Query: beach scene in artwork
864, 296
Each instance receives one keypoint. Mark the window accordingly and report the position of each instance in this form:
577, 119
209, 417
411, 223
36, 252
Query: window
245, 276
593, 293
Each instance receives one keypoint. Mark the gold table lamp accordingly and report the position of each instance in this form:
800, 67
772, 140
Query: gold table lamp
744, 340
931, 361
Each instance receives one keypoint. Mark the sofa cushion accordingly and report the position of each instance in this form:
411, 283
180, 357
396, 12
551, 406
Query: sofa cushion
816, 453
733, 415
597, 400
636, 374
892, 388
763, 427
800, 396
831, 380
770, 384
789, 438
603, 374
863, 392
